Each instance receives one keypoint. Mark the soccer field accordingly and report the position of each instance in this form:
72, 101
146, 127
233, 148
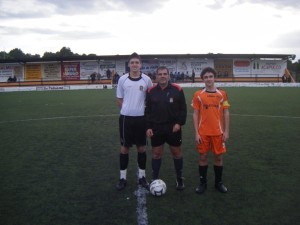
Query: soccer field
59, 163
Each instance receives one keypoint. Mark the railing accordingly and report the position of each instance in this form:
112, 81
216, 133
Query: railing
53, 83
250, 79
257, 79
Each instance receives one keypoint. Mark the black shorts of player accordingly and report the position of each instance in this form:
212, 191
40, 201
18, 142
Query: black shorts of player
164, 134
132, 130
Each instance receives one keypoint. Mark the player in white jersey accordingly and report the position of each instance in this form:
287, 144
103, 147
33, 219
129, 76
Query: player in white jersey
131, 94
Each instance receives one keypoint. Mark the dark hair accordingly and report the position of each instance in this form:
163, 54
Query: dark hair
135, 56
208, 70
162, 68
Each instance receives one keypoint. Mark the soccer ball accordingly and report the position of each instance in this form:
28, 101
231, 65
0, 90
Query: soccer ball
158, 187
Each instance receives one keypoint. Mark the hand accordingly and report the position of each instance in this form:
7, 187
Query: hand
176, 128
225, 136
198, 139
149, 133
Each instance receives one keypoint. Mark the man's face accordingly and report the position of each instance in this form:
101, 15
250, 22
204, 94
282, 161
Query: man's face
163, 77
134, 65
209, 79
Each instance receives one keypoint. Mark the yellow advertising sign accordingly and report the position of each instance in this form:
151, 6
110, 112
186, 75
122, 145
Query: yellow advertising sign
223, 67
33, 72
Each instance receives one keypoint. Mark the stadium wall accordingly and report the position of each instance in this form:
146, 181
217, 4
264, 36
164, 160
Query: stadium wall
110, 86
180, 67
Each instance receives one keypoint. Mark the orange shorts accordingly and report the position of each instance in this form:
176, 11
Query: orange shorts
213, 143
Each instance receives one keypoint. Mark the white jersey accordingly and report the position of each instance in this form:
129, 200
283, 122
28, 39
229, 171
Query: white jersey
133, 92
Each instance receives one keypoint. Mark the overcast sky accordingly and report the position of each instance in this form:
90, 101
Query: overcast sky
110, 27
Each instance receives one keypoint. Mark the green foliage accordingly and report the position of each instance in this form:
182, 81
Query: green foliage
65, 52
16, 54
294, 68
3, 55
59, 162
49, 55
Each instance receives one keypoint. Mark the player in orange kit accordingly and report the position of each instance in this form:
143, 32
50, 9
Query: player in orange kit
211, 124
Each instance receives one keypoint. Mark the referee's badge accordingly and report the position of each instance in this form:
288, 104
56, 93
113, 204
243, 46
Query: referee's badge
171, 100
141, 88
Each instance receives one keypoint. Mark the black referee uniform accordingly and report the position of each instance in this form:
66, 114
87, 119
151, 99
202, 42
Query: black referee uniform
165, 108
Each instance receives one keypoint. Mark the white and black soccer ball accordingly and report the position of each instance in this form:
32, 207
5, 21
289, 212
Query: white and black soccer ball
158, 187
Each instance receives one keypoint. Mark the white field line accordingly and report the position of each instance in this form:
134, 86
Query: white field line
114, 115
267, 116
141, 206
57, 118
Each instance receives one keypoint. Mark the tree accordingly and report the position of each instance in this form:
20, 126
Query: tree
35, 56
65, 52
294, 68
16, 54
3, 55
49, 55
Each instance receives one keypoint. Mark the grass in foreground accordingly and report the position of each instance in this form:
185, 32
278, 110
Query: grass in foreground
59, 162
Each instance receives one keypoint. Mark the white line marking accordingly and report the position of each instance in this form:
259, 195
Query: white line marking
268, 116
113, 115
57, 118
141, 207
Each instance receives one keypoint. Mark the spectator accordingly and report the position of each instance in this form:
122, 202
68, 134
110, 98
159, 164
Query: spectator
283, 78
116, 78
108, 73
93, 77
98, 76
193, 76
12, 79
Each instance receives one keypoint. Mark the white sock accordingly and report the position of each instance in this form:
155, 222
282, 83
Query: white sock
142, 173
123, 174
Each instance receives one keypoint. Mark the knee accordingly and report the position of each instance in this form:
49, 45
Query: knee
124, 150
203, 159
177, 155
141, 149
157, 153
176, 152
218, 160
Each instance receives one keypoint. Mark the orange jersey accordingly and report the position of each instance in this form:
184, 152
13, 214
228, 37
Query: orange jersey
210, 106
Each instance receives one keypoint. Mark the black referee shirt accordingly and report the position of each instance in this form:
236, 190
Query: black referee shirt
165, 106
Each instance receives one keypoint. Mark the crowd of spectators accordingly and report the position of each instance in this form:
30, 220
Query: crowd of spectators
12, 79
176, 76
286, 78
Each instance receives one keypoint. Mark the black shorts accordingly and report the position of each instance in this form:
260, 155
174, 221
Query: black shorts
164, 134
132, 130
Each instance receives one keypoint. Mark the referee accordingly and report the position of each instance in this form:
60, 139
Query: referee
165, 115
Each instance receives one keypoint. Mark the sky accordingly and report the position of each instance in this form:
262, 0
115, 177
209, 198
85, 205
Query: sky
112, 27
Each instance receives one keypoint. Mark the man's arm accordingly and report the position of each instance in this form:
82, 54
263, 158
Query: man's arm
149, 131
196, 125
120, 102
226, 125
183, 109
181, 118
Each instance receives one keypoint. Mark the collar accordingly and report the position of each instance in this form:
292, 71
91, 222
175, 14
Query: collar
159, 87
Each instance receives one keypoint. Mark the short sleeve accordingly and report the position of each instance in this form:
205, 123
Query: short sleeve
196, 103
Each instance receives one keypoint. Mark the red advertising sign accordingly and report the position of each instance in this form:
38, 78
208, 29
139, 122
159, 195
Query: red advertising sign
70, 71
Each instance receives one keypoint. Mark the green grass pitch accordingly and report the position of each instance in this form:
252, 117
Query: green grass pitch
59, 162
